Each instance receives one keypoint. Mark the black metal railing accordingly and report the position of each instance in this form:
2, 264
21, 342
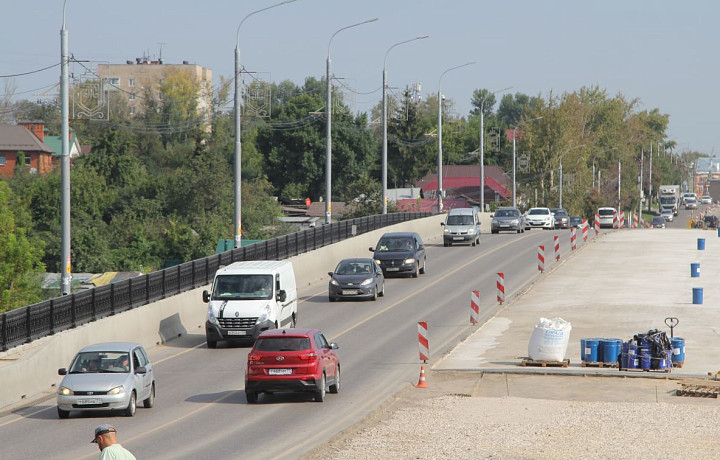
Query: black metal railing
51, 316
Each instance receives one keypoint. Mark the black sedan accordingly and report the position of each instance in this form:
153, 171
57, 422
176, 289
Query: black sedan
356, 279
562, 218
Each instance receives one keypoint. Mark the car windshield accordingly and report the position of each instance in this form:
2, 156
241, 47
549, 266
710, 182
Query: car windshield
243, 287
667, 199
560, 212
507, 213
657, 220
459, 220
395, 244
606, 212
282, 344
538, 212
93, 362
353, 268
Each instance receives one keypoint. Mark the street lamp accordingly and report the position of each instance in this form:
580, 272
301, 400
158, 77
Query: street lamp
514, 200
328, 126
593, 166
561, 171
65, 256
238, 130
482, 147
439, 97
384, 122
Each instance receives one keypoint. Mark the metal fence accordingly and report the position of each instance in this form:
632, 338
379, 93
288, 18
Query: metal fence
51, 316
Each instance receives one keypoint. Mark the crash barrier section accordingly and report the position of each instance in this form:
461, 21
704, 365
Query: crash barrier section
51, 316
635, 220
556, 239
615, 220
701, 244
585, 230
500, 288
597, 224
423, 341
541, 258
694, 270
678, 348
573, 236
697, 295
621, 223
475, 307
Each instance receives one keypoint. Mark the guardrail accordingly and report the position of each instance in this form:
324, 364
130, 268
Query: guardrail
51, 316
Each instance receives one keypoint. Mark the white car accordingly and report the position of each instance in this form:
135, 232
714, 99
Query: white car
607, 218
540, 218
706, 199
691, 203
667, 214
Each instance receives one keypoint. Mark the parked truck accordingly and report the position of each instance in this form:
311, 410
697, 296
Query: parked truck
669, 198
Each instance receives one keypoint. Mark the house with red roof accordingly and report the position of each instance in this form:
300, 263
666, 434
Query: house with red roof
24, 142
463, 182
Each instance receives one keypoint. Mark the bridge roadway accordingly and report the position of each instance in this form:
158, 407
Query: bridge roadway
201, 410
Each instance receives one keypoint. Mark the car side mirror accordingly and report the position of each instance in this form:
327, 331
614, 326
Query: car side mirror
282, 295
141, 370
62, 371
442, 224
334, 346
330, 274
206, 296
372, 249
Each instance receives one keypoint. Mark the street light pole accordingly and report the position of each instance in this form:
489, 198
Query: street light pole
385, 123
237, 172
514, 199
65, 256
328, 126
439, 97
482, 147
560, 189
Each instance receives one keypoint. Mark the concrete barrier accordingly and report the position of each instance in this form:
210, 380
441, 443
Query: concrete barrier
30, 370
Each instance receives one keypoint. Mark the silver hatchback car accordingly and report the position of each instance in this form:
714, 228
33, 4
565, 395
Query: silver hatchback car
106, 377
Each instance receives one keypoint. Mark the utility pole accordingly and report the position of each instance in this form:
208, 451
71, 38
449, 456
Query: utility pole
650, 195
619, 169
640, 182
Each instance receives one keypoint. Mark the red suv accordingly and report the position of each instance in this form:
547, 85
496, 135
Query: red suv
292, 360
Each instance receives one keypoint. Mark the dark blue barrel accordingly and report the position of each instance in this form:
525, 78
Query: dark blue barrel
701, 244
628, 356
695, 270
609, 350
697, 296
582, 349
645, 354
590, 352
678, 349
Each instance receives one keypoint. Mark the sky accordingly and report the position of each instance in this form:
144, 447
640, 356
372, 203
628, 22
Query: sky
663, 53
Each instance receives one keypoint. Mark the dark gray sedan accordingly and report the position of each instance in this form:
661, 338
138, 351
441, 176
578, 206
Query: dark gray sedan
507, 219
356, 279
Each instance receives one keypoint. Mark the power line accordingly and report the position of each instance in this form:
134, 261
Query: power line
30, 72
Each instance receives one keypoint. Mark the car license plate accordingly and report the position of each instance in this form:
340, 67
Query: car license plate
504, 225
349, 292
87, 402
237, 332
279, 371
457, 238
392, 269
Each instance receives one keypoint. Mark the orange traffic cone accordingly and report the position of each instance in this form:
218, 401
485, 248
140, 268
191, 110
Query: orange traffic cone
421, 382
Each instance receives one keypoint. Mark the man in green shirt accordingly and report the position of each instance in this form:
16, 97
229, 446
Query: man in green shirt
110, 449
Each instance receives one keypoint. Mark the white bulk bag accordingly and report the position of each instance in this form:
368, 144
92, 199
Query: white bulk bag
549, 340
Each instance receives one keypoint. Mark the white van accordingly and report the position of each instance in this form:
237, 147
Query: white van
462, 225
248, 298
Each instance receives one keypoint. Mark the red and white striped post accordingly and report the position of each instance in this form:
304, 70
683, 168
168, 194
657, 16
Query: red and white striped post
501, 288
423, 341
475, 307
635, 220
557, 247
597, 224
573, 236
541, 258
615, 220
621, 223
585, 230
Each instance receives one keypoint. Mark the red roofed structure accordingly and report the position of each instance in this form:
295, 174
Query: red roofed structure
463, 181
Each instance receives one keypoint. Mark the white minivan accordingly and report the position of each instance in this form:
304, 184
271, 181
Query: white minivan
248, 298
462, 225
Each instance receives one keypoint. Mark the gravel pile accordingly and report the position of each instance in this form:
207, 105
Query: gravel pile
457, 427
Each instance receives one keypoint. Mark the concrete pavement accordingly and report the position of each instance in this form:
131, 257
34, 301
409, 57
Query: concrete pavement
622, 283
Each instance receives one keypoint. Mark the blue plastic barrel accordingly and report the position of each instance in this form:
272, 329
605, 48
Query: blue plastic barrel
701, 244
582, 349
628, 356
645, 354
590, 351
718, 232
610, 350
695, 270
697, 296
678, 349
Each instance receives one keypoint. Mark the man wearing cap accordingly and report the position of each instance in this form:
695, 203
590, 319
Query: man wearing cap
110, 449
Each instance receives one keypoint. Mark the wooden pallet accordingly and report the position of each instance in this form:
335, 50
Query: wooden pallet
646, 370
698, 391
540, 363
599, 364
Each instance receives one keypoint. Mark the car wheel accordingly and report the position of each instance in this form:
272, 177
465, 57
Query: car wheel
375, 293
212, 344
382, 293
130, 411
331, 299
251, 396
518, 231
150, 401
493, 231
445, 243
474, 242
63, 413
416, 273
422, 270
335, 387
320, 394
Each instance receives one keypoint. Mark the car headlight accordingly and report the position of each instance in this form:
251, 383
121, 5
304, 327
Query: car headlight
471, 231
116, 391
447, 230
366, 282
212, 319
409, 261
264, 314
378, 261
65, 391
334, 282
515, 221
494, 221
